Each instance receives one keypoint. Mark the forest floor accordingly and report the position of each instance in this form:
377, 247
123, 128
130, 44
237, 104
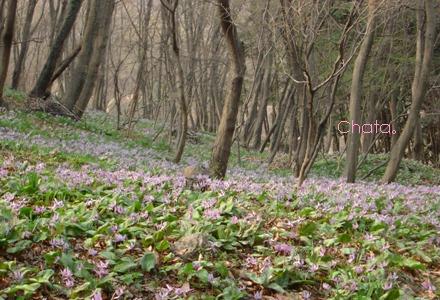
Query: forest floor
87, 211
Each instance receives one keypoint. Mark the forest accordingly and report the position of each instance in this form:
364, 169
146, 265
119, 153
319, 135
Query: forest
176, 149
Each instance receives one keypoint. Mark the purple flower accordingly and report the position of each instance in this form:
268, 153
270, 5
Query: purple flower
387, 285
118, 210
209, 203
3, 172
113, 228
306, 295
57, 204
258, 295
92, 252
352, 286
26, 234
39, 210
96, 295
120, 238
101, 268
284, 249
298, 263
314, 268
58, 243
211, 278
148, 199
118, 293
213, 214
8, 197
89, 203
326, 286
352, 257
54, 220
251, 261
39, 167
234, 220
17, 275
67, 277
427, 285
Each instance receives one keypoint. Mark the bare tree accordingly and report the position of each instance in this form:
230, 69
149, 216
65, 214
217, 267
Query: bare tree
25, 36
44, 79
356, 92
426, 34
93, 46
173, 27
225, 133
5, 50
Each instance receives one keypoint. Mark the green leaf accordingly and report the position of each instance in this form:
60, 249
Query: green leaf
125, 266
19, 246
109, 255
308, 229
28, 289
43, 276
67, 261
276, 287
162, 245
413, 264
344, 238
221, 268
51, 256
148, 262
391, 295
203, 275
80, 289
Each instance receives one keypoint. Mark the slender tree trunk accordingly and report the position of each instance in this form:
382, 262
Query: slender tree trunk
95, 39
418, 142
5, 50
141, 70
26, 35
367, 138
394, 114
356, 97
45, 77
426, 35
262, 110
179, 80
223, 141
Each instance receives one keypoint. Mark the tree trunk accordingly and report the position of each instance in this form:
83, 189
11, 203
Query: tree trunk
5, 50
45, 77
418, 142
141, 70
179, 80
223, 141
26, 35
262, 110
426, 35
94, 43
356, 97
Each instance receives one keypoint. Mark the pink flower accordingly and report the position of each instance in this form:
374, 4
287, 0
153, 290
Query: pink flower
306, 295
314, 268
213, 214
387, 285
283, 248
428, 285
101, 269
234, 220
67, 277
120, 238
96, 295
